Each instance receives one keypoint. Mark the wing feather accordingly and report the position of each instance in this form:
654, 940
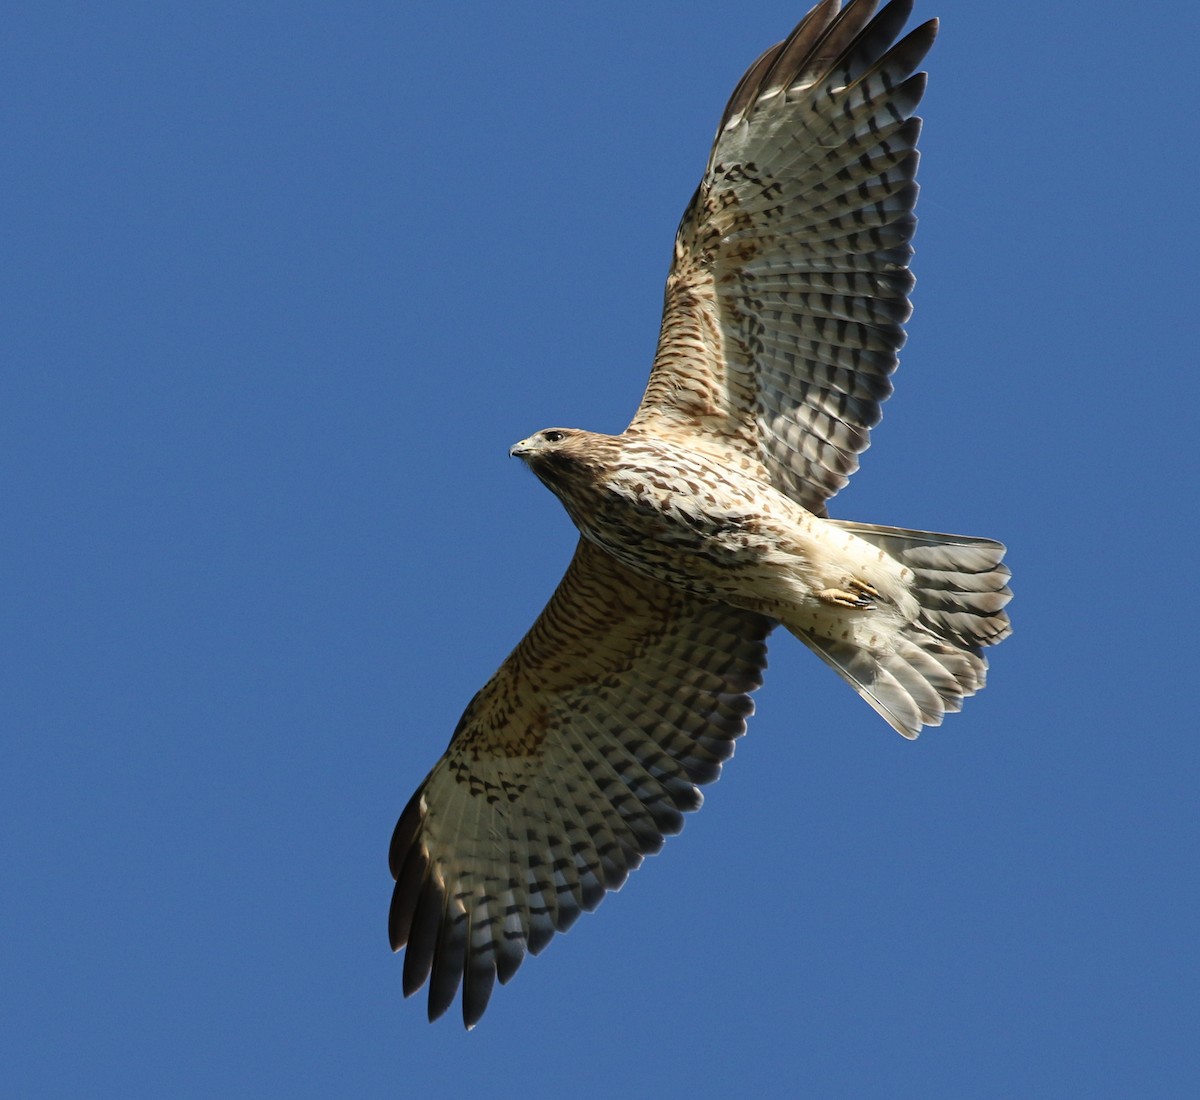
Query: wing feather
569, 766
786, 300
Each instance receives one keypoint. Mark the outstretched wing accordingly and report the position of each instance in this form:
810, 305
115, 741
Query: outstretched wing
789, 288
570, 765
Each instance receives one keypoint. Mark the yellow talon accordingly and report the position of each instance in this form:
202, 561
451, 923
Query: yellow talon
861, 596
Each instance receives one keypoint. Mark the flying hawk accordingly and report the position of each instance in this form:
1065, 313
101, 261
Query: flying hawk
703, 526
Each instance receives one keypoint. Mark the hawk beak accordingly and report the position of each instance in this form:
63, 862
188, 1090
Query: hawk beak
520, 450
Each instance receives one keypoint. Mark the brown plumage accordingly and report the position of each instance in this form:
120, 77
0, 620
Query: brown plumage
704, 525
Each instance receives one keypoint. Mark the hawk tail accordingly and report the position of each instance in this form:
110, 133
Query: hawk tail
927, 666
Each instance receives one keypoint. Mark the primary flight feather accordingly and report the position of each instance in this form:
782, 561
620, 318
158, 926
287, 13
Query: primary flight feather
704, 525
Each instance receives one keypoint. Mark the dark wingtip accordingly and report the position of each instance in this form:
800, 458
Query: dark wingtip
405, 832
477, 991
449, 962
411, 868
423, 935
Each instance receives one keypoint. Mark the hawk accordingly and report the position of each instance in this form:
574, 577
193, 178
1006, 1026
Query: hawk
704, 525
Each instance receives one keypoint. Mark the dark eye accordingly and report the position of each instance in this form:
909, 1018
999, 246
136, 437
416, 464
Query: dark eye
554, 437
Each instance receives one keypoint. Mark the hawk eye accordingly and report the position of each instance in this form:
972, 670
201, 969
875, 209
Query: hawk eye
554, 437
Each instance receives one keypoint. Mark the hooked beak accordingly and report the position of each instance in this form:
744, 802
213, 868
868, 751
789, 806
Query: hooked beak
522, 449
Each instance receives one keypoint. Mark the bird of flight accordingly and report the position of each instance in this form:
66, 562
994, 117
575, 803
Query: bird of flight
703, 526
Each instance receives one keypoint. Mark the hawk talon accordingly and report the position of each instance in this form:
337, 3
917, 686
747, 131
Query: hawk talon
861, 596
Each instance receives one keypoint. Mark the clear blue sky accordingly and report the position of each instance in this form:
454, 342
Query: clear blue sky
282, 282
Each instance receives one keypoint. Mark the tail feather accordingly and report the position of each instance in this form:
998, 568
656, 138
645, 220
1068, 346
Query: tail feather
961, 582
916, 671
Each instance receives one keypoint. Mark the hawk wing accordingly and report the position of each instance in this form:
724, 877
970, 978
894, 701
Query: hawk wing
570, 765
785, 302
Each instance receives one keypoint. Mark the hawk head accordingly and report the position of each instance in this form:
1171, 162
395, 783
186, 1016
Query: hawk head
565, 460
549, 441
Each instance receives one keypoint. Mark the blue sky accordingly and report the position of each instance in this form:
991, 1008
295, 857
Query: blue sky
282, 284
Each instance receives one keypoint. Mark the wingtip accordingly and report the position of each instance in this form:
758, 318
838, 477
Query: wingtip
405, 831
477, 991
926, 33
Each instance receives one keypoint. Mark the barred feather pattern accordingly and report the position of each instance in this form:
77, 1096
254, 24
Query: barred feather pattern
703, 526
933, 662
785, 303
574, 762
